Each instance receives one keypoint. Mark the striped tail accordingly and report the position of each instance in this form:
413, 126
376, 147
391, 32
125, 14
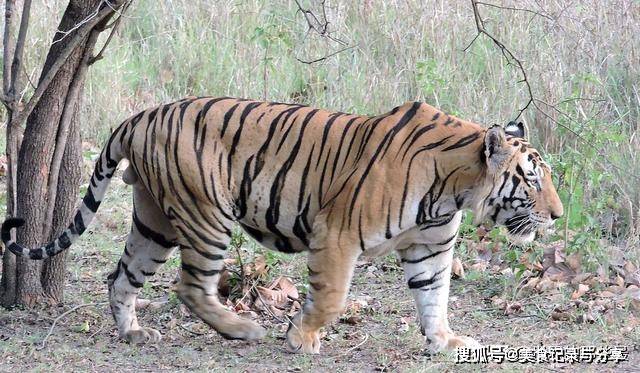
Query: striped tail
104, 169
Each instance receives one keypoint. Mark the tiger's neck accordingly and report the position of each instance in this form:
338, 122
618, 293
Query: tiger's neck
453, 154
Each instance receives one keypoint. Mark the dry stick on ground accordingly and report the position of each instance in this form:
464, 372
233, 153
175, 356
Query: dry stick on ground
532, 100
44, 341
364, 340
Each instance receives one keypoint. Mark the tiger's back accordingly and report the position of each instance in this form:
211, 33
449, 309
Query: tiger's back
273, 166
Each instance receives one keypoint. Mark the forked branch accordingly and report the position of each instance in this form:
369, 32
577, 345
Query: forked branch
532, 101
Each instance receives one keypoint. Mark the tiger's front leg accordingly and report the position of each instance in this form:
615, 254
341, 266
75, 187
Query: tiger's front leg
330, 272
427, 269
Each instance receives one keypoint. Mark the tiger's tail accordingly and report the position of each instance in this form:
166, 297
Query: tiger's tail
103, 172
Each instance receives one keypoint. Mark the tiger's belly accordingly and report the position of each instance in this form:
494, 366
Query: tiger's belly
432, 233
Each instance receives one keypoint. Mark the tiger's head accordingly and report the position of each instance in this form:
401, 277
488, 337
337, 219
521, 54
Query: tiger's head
518, 189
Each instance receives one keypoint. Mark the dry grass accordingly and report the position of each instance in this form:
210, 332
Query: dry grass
582, 58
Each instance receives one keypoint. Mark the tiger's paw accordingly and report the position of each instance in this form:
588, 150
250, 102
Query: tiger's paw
441, 342
238, 328
142, 335
301, 341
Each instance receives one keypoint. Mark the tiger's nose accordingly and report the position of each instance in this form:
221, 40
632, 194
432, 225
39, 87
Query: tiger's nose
555, 215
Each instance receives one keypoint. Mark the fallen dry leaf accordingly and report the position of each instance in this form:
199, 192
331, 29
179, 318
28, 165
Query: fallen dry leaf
288, 288
260, 266
558, 315
272, 297
512, 308
456, 268
480, 266
585, 318
580, 291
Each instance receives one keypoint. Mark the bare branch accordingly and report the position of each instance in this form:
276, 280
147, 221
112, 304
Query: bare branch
325, 57
80, 34
315, 24
114, 28
532, 101
509, 56
319, 26
517, 9
19, 51
8, 49
64, 33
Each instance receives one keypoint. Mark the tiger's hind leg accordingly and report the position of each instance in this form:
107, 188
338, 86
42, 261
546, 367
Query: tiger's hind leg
198, 288
149, 245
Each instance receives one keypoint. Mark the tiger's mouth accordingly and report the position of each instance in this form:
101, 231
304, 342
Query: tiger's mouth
521, 228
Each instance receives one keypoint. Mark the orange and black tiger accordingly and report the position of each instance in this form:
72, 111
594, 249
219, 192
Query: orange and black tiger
302, 179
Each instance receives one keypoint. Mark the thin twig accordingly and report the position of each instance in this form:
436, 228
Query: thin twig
364, 340
63, 34
266, 307
44, 341
314, 24
191, 331
516, 9
241, 267
325, 57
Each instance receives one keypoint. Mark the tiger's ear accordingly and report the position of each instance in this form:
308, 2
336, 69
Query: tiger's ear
496, 151
517, 130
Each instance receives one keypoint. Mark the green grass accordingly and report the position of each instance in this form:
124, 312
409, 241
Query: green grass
249, 48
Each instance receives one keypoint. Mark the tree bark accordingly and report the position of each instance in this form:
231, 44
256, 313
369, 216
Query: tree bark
51, 146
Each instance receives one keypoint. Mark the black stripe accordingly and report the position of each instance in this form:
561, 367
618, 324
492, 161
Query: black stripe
64, 241
237, 136
422, 131
422, 259
273, 211
131, 277
463, 141
227, 118
387, 139
79, 223
89, 200
416, 284
193, 271
152, 235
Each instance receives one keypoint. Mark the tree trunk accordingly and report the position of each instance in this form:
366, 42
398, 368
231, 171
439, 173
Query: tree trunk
50, 154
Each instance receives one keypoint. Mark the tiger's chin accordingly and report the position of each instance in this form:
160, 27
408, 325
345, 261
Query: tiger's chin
521, 239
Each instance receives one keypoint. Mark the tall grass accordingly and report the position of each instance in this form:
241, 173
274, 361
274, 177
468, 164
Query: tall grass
581, 57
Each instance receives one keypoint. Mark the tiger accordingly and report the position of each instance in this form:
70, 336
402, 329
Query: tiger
301, 179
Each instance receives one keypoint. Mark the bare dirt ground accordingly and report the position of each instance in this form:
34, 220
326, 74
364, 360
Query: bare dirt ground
380, 334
